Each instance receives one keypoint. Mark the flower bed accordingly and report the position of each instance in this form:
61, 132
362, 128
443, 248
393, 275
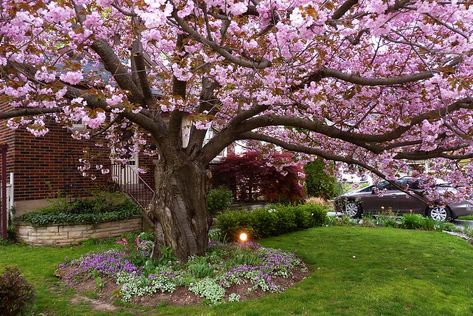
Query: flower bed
227, 272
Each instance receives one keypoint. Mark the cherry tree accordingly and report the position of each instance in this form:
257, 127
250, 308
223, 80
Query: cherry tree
373, 83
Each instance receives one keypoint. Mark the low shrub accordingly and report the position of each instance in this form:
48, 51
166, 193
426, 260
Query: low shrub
413, 221
16, 294
102, 207
271, 221
386, 220
219, 199
340, 221
407, 221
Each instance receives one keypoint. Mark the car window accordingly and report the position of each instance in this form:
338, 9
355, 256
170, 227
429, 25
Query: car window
367, 189
385, 185
414, 185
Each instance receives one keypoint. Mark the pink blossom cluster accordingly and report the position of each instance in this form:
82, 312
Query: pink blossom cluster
373, 84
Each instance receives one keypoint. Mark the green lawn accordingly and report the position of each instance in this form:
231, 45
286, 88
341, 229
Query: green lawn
467, 217
356, 271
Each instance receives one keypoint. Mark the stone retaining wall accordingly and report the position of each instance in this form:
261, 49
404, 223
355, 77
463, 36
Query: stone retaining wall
61, 235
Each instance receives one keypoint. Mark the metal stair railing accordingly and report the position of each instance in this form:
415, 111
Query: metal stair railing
132, 184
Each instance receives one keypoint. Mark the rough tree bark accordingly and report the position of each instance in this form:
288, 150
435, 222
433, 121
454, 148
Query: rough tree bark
180, 207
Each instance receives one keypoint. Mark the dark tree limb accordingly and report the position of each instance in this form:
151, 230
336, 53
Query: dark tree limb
178, 90
344, 8
27, 112
328, 156
208, 103
367, 141
120, 72
241, 61
364, 81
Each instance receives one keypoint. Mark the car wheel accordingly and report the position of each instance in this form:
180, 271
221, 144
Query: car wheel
440, 213
352, 209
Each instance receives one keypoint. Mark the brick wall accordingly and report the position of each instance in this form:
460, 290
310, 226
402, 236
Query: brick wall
45, 166
7, 136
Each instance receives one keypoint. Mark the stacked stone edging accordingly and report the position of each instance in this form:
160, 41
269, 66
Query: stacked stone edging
63, 234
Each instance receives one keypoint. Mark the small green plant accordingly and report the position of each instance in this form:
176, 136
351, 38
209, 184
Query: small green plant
413, 221
368, 221
140, 285
216, 235
209, 289
16, 294
99, 284
166, 255
219, 199
339, 221
233, 297
245, 257
200, 268
387, 220
102, 207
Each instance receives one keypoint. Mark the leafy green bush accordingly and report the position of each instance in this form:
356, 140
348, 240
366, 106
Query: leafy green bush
16, 294
212, 292
319, 183
271, 221
200, 268
340, 221
102, 207
219, 199
413, 221
387, 220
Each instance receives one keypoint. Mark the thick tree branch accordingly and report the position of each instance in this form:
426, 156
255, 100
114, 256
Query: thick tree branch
178, 90
447, 153
344, 8
327, 156
241, 61
364, 81
208, 103
309, 150
119, 71
141, 71
367, 141
27, 112
331, 131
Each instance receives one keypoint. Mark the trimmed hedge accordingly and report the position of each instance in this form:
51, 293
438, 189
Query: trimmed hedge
103, 207
271, 221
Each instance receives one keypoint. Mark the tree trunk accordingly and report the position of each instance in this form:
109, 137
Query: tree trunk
181, 208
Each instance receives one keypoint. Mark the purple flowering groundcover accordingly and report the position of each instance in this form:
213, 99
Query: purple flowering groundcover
226, 273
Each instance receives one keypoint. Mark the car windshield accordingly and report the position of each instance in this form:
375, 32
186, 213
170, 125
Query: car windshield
385, 185
411, 183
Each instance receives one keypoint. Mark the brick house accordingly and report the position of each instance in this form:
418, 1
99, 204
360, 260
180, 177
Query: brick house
44, 167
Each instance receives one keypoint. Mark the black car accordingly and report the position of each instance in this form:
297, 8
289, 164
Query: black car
385, 196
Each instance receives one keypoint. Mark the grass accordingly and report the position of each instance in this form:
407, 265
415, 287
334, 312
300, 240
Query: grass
356, 271
466, 217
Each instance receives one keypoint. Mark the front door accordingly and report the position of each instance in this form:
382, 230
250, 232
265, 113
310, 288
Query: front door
127, 173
